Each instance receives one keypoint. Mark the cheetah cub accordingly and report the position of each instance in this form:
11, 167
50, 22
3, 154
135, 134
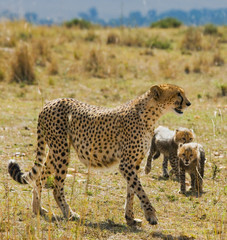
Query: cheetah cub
166, 142
191, 160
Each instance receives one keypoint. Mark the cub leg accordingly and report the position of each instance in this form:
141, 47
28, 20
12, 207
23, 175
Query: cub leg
174, 161
165, 167
193, 187
153, 154
182, 180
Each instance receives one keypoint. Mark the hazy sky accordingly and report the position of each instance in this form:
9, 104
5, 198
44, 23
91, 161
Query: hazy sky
67, 9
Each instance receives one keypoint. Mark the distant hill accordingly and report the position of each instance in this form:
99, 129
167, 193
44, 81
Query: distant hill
192, 17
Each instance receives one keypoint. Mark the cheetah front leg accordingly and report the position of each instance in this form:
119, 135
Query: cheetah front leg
198, 183
182, 180
148, 164
193, 179
134, 187
165, 167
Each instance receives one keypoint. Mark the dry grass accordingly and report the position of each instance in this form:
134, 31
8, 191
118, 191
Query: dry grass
53, 67
83, 73
22, 70
192, 39
218, 60
113, 38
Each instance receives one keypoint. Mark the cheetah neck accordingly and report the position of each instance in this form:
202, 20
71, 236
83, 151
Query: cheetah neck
150, 110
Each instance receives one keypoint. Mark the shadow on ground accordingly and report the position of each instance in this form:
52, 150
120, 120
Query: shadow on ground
112, 226
160, 235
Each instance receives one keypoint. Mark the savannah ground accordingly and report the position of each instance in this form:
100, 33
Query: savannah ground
107, 67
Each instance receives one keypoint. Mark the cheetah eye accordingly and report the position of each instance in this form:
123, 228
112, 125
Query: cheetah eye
183, 139
190, 139
183, 155
191, 155
178, 94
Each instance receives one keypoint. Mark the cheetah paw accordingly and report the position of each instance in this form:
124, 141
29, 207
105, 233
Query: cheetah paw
134, 222
43, 211
166, 175
147, 170
74, 216
182, 192
152, 220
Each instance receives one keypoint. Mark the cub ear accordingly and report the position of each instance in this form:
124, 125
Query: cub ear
156, 92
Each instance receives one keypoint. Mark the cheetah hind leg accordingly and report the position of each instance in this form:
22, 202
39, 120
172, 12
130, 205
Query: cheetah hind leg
36, 200
129, 215
48, 169
60, 175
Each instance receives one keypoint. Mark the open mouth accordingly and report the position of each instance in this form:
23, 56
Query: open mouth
178, 111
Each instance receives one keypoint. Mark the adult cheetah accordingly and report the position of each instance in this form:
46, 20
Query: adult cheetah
101, 137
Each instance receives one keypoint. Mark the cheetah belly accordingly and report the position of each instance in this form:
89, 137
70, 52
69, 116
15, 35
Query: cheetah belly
98, 156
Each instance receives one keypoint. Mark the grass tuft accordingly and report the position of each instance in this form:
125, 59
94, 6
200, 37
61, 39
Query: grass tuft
2, 75
22, 69
113, 38
192, 40
218, 60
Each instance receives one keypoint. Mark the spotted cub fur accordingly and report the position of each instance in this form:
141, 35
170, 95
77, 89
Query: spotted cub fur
101, 137
166, 142
191, 160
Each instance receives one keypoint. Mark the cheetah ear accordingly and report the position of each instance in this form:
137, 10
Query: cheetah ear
193, 133
156, 92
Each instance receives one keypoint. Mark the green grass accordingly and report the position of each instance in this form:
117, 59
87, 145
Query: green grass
128, 73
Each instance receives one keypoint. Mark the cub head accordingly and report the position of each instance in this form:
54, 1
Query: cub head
188, 153
183, 135
171, 97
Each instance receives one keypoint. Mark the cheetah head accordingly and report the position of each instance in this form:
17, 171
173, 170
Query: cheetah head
170, 97
187, 154
183, 135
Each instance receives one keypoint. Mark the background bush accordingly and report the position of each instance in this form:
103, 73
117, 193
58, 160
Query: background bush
81, 23
167, 23
210, 29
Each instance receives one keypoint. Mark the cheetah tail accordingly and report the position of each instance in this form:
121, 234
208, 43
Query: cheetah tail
15, 172
29, 177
